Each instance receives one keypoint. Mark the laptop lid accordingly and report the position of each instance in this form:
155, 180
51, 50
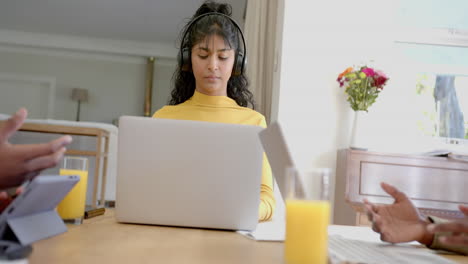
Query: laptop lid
188, 173
278, 154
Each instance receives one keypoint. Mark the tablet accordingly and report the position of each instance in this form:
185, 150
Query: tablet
31, 216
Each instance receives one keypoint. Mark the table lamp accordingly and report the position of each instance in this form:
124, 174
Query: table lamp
80, 95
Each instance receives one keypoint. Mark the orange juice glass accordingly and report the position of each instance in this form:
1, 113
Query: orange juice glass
71, 209
307, 217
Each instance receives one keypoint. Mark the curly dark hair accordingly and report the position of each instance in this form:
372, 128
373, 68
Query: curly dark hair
184, 81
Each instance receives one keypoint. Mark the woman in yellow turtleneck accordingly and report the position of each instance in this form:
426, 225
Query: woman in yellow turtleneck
210, 83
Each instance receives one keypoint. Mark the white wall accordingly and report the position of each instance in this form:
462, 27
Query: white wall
162, 85
320, 40
40, 95
116, 84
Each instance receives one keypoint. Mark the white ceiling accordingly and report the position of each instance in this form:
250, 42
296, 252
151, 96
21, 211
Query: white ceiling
136, 20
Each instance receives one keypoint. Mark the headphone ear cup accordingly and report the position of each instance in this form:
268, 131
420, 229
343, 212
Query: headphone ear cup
185, 59
238, 68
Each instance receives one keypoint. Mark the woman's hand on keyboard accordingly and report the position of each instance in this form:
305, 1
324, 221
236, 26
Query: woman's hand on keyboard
400, 221
458, 229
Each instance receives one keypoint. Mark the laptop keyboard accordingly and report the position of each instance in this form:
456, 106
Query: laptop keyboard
342, 250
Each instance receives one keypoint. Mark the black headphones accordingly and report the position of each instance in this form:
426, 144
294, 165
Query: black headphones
240, 57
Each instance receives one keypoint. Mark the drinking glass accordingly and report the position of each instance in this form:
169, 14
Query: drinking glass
307, 216
71, 209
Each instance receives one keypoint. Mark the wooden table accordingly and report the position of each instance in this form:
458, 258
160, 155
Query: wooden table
99, 153
103, 240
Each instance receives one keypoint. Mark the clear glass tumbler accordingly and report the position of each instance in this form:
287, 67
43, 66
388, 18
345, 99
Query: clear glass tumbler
71, 209
307, 216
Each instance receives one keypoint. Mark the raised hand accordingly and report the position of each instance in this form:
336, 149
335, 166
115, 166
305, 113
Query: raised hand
21, 162
400, 221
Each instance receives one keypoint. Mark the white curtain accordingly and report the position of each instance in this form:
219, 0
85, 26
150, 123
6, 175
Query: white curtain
260, 33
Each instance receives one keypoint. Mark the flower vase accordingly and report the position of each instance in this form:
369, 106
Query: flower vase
359, 131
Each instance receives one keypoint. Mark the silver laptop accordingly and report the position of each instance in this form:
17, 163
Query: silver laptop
188, 173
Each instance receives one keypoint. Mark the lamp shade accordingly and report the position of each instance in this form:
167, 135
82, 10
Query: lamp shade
80, 94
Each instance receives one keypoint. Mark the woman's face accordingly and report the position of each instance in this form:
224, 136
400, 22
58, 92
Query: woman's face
212, 62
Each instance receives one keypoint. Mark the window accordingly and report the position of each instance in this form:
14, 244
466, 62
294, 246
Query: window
433, 37
442, 103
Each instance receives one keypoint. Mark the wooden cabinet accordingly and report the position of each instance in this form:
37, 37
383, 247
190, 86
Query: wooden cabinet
436, 185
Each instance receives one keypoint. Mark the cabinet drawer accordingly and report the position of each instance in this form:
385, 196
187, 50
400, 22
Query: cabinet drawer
419, 183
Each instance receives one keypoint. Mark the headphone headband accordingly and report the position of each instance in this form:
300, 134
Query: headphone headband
196, 19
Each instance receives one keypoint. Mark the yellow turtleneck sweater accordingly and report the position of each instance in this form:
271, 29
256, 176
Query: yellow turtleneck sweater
222, 109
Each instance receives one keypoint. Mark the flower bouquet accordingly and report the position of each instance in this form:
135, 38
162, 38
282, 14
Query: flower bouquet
363, 85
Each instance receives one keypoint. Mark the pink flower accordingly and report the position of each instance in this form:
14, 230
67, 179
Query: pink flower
379, 81
341, 81
380, 73
368, 71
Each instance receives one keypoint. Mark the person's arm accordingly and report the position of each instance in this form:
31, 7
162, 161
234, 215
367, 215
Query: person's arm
401, 222
267, 198
450, 235
21, 162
